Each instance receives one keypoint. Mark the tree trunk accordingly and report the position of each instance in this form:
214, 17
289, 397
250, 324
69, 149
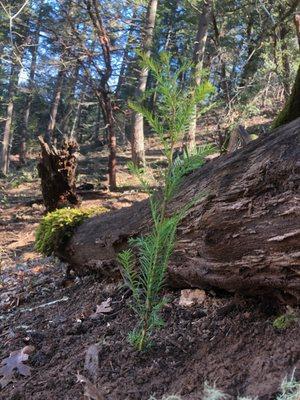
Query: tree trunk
70, 100
291, 110
137, 140
57, 170
126, 55
7, 133
54, 105
242, 236
112, 140
199, 49
29, 98
76, 121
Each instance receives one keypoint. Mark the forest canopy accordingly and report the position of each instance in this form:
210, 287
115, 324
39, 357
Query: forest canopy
68, 68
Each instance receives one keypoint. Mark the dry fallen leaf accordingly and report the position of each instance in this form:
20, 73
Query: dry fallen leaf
90, 390
91, 363
15, 362
103, 308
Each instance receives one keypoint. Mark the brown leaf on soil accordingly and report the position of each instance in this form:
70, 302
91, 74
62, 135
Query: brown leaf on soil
15, 361
90, 390
103, 308
91, 363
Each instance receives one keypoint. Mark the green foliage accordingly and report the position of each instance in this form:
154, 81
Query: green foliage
284, 321
58, 226
175, 105
144, 265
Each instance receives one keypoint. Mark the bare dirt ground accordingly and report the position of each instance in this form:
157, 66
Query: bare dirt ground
226, 341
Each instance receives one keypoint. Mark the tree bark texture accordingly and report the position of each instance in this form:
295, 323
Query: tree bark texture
137, 140
242, 236
7, 133
54, 105
57, 170
199, 48
291, 110
29, 97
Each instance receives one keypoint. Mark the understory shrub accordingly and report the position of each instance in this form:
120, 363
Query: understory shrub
58, 226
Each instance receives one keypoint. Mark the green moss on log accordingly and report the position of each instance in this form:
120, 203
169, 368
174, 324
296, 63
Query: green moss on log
58, 226
291, 110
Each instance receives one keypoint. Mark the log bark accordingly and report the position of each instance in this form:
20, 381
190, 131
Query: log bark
57, 170
243, 236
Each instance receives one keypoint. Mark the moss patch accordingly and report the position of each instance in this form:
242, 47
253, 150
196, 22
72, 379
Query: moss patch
284, 321
58, 226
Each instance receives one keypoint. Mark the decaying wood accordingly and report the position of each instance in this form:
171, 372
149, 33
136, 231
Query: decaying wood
57, 170
244, 235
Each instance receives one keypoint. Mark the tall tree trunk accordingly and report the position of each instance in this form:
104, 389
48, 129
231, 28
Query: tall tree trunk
7, 133
137, 140
29, 98
291, 109
107, 111
125, 59
54, 105
76, 121
223, 77
69, 99
103, 91
297, 25
199, 49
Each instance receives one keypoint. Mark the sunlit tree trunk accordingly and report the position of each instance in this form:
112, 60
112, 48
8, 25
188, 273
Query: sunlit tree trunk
125, 59
102, 91
291, 109
76, 121
69, 99
54, 105
137, 140
7, 133
199, 49
34, 53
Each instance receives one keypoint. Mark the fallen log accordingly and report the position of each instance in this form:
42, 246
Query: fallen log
243, 236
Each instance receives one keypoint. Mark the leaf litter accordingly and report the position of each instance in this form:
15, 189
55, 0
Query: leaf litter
15, 363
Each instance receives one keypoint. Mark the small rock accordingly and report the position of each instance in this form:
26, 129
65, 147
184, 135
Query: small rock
191, 297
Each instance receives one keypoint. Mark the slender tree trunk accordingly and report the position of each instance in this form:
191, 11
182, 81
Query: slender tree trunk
297, 25
34, 53
107, 111
198, 56
76, 121
70, 101
291, 109
125, 59
223, 77
137, 141
54, 105
103, 92
7, 133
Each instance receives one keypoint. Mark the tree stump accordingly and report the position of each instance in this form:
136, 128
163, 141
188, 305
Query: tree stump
57, 170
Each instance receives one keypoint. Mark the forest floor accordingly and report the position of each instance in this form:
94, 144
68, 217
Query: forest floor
226, 341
